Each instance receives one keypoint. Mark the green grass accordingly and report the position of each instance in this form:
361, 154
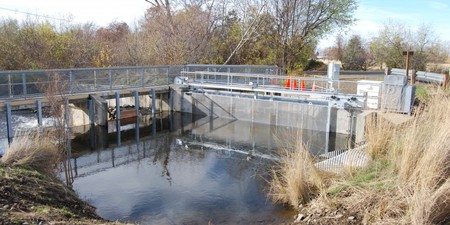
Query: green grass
422, 93
47, 209
42, 209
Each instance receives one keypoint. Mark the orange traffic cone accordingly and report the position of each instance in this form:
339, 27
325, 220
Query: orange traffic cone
288, 83
295, 85
303, 85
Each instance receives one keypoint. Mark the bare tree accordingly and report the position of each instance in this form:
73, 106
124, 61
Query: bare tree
54, 89
301, 22
395, 37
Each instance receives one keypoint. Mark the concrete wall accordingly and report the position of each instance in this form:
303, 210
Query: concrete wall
305, 116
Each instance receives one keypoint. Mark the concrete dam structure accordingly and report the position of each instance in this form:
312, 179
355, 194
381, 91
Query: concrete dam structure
249, 93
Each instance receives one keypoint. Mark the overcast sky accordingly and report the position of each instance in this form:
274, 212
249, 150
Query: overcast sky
371, 14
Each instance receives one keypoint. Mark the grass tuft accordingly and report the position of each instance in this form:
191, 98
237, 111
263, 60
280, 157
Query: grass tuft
295, 179
32, 151
407, 182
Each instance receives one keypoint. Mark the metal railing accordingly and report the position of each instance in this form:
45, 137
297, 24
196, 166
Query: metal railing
422, 76
273, 82
32, 83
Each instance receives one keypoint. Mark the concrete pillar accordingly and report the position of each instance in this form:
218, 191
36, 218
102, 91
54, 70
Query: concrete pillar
100, 110
90, 105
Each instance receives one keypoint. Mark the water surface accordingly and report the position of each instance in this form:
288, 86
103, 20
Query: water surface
185, 170
180, 169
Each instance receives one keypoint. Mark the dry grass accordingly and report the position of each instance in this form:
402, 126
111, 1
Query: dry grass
295, 179
379, 133
33, 151
418, 175
407, 182
423, 163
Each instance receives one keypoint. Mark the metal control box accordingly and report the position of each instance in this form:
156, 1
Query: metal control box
398, 96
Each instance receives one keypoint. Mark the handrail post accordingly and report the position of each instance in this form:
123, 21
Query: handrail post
10, 85
167, 74
228, 76
142, 77
95, 80
117, 105
110, 79
67, 112
153, 93
24, 84
70, 81
136, 102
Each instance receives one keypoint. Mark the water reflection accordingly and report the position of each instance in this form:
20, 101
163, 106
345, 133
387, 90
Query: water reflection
179, 169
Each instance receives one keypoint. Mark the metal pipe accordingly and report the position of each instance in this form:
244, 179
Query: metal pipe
24, 84
9, 125
167, 74
70, 81
117, 105
142, 77
328, 128
10, 86
39, 112
153, 94
136, 102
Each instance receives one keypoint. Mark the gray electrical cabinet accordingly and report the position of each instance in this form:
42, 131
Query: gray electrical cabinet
397, 96
409, 94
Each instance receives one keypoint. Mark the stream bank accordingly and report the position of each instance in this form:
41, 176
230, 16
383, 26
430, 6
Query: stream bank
30, 197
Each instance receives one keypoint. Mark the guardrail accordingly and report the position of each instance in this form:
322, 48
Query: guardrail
422, 76
273, 82
32, 83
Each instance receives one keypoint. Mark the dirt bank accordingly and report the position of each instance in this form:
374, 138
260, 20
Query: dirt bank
29, 197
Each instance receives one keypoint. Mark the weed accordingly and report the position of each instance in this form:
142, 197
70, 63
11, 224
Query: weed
422, 93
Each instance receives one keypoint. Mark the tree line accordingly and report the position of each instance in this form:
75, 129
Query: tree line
271, 32
386, 49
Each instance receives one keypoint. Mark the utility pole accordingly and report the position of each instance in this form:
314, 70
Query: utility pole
408, 53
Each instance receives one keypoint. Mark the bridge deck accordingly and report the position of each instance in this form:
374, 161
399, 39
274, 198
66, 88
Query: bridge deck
30, 101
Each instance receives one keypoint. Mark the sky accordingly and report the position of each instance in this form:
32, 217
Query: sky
370, 15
